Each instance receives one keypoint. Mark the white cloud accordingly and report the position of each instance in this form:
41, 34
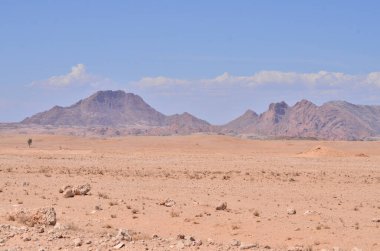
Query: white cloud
76, 77
321, 79
373, 79
160, 82
285, 78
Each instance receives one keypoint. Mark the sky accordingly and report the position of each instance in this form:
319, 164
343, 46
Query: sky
212, 58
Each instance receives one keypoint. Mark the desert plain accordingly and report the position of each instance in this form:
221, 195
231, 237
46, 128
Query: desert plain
198, 192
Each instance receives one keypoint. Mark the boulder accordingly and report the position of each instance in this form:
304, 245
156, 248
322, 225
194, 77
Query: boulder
222, 206
41, 216
82, 189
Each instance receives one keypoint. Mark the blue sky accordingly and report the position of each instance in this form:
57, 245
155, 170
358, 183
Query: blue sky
214, 59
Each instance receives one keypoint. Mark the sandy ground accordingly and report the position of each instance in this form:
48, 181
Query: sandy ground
280, 195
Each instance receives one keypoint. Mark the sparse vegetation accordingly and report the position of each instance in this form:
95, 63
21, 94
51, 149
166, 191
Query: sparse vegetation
103, 195
174, 213
30, 141
113, 203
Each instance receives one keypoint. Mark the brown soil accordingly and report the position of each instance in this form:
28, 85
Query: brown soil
335, 192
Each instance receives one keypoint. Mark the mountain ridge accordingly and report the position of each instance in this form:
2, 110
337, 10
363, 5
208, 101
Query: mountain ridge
334, 120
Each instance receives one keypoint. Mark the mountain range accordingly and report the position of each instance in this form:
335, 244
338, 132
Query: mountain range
127, 113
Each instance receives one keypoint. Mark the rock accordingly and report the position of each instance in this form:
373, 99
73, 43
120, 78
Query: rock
376, 220
180, 245
82, 189
60, 226
295, 248
40, 230
62, 189
291, 211
77, 242
124, 234
180, 237
356, 249
198, 243
247, 246
155, 236
118, 246
26, 238
235, 243
190, 238
68, 193
168, 203
310, 212
222, 206
188, 243
40, 216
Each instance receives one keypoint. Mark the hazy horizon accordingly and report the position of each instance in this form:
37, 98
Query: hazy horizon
214, 61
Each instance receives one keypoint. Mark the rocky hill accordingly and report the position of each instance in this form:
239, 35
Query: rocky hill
104, 108
120, 113
113, 109
336, 120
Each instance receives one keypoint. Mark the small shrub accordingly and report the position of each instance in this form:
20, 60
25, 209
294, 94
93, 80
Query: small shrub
30, 141
174, 214
103, 195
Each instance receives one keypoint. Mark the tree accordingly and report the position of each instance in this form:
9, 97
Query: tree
30, 141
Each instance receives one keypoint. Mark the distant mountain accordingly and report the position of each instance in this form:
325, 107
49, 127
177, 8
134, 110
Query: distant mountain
336, 120
248, 118
120, 113
116, 109
104, 108
187, 123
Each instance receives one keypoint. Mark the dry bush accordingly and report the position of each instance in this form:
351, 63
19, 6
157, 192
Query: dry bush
174, 213
11, 217
44, 170
135, 211
113, 203
103, 195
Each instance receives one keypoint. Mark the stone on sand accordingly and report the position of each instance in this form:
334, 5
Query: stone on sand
68, 193
235, 243
77, 242
82, 189
291, 211
124, 234
168, 203
40, 216
120, 245
222, 206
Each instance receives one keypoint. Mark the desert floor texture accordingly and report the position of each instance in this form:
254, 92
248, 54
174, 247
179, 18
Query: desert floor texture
161, 193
